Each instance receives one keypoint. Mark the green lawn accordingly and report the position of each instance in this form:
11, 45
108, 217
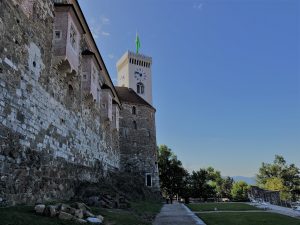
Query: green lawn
221, 206
140, 213
247, 218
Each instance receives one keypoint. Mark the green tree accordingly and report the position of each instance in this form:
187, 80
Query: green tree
274, 184
172, 175
226, 186
239, 191
201, 185
279, 173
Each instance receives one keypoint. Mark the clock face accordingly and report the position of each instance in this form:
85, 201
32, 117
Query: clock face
140, 75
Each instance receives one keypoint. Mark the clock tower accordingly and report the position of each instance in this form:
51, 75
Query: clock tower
134, 71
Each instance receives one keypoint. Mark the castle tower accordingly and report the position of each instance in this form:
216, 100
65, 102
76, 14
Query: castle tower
138, 148
134, 71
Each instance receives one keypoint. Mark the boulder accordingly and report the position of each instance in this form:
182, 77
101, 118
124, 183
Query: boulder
100, 218
39, 209
65, 216
80, 220
50, 211
79, 213
94, 220
87, 213
72, 210
65, 208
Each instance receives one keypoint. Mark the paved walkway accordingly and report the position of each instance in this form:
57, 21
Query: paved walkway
230, 211
279, 209
176, 214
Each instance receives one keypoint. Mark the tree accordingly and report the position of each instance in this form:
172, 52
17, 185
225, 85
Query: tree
172, 175
199, 184
280, 175
274, 184
225, 190
239, 191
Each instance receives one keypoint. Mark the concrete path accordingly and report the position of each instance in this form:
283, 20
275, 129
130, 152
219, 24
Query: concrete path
279, 209
230, 211
176, 214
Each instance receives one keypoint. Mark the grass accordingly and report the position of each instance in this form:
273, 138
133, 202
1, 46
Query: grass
221, 207
247, 218
23, 215
140, 213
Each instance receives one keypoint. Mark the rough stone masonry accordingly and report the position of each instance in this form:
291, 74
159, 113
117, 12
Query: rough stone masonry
54, 133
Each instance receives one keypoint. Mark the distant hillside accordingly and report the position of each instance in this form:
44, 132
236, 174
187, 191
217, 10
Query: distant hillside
248, 180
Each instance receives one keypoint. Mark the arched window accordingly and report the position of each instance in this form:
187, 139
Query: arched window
140, 88
133, 110
134, 125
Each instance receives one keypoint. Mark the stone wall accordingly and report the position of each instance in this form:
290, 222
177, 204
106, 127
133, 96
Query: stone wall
51, 137
261, 195
138, 144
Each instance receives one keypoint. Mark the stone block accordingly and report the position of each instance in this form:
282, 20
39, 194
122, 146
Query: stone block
39, 209
65, 216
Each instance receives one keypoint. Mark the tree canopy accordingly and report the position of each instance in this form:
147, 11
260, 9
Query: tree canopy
281, 177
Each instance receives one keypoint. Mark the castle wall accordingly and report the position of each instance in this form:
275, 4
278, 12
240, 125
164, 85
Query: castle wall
51, 137
138, 146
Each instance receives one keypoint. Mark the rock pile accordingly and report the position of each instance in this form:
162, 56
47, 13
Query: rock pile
78, 212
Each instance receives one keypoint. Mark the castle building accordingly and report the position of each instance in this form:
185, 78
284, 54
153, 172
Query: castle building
62, 120
138, 147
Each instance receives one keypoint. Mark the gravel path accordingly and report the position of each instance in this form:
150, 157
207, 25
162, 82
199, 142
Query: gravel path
177, 214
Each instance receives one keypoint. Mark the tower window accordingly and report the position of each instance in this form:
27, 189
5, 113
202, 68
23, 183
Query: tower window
134, 125
133, 110
140, 88
148, 180
57, 35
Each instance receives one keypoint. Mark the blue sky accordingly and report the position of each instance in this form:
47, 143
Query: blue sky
226, 74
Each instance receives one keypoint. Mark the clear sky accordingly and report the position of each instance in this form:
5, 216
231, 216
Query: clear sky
226, 74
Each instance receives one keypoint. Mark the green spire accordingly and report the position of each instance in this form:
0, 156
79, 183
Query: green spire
137, 43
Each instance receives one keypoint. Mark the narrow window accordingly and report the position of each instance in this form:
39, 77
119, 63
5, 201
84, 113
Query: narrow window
133, 110
57, 35
134, 125
148, 180
140, 88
